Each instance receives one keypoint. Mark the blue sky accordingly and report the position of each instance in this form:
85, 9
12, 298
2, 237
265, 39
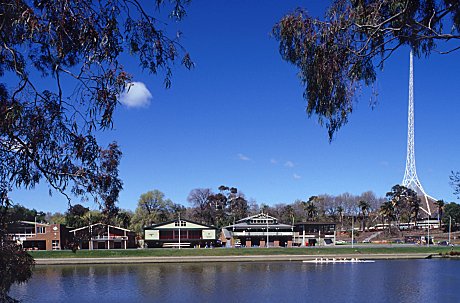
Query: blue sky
238, 119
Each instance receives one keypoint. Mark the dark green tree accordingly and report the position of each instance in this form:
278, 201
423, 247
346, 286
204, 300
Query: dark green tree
18, 212
56, 218
404, 200
16, 267
340, 211
239, 207
452, 210
218, 203
414, 204
264, 208
48, 126
406, 203
440, 204
387, 212
227, 205
338, 55
311, 210
106, 185
287, 214
123, 218
364, 209
75, 216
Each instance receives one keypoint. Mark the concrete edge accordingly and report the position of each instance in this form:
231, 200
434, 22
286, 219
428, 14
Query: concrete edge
218, 259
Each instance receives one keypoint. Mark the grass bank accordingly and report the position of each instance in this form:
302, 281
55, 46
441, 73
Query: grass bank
132, 253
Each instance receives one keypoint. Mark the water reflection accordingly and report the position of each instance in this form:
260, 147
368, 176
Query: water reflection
383, 281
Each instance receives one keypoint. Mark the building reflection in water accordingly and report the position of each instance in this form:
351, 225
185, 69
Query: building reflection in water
382, 281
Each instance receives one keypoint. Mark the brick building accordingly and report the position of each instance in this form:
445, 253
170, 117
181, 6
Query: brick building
39, 236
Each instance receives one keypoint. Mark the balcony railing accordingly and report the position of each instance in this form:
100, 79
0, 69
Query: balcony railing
21, 236
108, 238
316, 234
261, 233
182, 237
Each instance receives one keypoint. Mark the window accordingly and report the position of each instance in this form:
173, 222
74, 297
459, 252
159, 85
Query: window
183, 234
194, 234
182, 223
41, 229
166, 234
55, 244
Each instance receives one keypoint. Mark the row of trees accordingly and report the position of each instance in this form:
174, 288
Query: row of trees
403, 205
227, 205
220, 208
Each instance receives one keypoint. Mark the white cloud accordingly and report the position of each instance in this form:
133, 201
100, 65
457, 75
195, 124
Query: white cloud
384, 163
296, 176
273, 161
289, 164
136, 95
243, 157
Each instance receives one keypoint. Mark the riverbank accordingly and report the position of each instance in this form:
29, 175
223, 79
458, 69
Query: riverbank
218, 259
233, 255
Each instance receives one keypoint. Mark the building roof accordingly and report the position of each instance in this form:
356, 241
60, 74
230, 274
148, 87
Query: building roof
315, 223
262, 225
259, 221
111, 226
31, 223
257, 216
226, 233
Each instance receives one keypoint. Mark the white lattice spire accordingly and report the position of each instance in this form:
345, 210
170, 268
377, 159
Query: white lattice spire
410, 179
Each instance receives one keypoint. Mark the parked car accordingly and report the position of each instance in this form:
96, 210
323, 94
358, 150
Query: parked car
340, 242
443, 243
328, 241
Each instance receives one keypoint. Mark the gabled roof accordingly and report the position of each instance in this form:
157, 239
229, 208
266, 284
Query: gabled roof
315, 223
258, 216
255, 226
25, 224
177, 220
111, 226
226, 233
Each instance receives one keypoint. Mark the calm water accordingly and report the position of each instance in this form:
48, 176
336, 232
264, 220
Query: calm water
382, 281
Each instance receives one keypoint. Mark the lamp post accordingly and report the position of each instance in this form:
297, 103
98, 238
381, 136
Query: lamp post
303, 235
450, 226
266, 220
233, 233
428, 239
179, 230
352, 231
